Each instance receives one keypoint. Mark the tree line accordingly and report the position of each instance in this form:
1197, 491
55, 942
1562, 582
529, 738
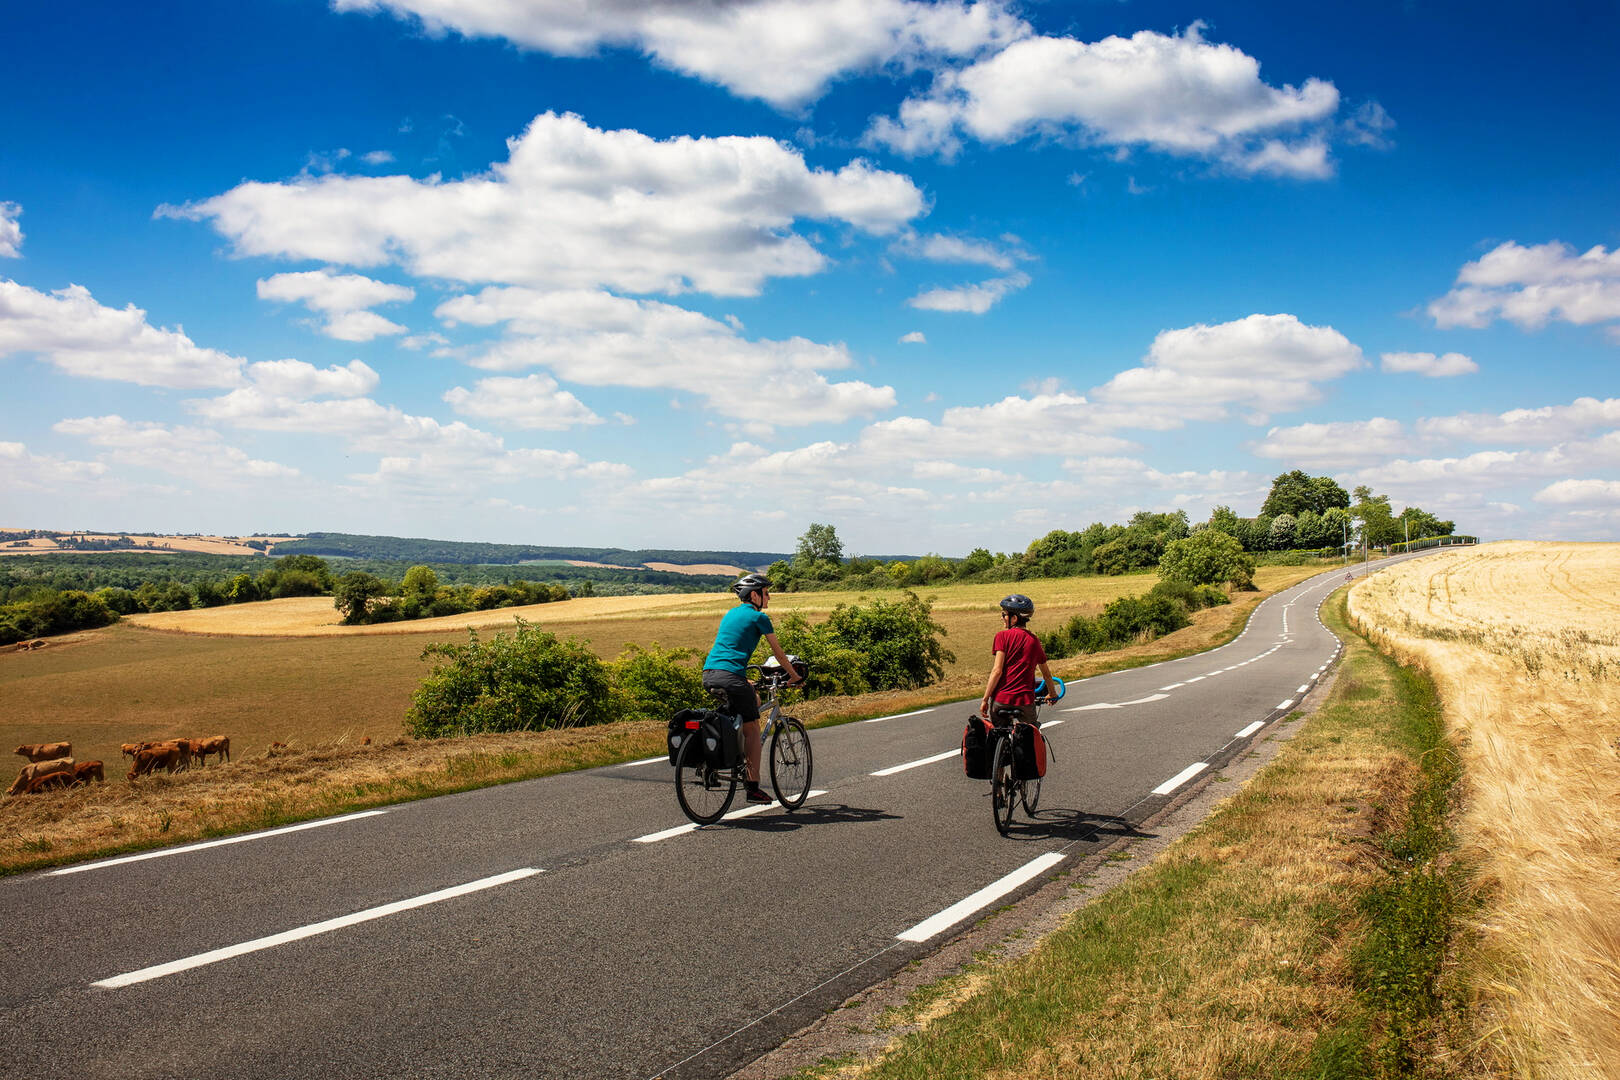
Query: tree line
414, 551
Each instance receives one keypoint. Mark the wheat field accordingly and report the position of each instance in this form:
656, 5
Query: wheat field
1523, 641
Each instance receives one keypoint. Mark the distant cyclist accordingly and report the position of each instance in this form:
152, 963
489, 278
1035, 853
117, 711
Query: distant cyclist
1018, 653
726, 666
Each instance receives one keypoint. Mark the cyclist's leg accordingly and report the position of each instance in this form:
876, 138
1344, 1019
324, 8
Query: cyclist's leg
751, 749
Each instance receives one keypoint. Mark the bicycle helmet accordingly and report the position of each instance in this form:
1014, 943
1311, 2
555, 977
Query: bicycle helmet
1018, 604
748, 584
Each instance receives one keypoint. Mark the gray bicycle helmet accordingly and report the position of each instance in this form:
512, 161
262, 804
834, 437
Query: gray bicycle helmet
1018, 604
748, 583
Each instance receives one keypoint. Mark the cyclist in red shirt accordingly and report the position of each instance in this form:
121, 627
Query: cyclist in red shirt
1018, 653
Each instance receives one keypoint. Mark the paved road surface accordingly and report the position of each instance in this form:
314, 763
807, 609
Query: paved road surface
567, 927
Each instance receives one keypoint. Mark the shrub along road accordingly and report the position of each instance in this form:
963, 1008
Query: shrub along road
570, 927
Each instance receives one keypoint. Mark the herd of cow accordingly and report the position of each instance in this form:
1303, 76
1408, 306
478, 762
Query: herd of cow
51, 765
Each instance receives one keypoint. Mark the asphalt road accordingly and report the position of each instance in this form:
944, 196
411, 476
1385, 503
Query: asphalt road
559, 928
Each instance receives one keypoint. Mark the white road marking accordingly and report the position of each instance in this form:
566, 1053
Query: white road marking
1144, 700
1173, 686
983, 898
1050, 723
643, 761
1198, 678
892, 769
216, 843
1251, 729
1180, 778
1094, 705
747, 811
896, 716
157, 971
1286, 704
1304, 689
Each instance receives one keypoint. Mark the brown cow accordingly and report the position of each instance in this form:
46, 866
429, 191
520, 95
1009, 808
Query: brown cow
49, 781
37, 769
86, 771
154, 758
45, 751
214, 744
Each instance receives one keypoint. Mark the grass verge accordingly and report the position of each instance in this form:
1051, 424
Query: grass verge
1298, 932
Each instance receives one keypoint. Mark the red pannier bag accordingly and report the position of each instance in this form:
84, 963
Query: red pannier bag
1029, 751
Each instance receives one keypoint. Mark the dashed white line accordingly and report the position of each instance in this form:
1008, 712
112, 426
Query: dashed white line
217, 843
1304, 689
1180, 778
1251, 729
892, 769
896, 716
1198, 678
1173, 686
983, 898
643, 761
1286, 704
157, 971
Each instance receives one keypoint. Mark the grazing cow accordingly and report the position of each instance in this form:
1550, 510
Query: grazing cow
45, 751
219, 745
49, 781
37, 769
86, 771
366, 741
154, 758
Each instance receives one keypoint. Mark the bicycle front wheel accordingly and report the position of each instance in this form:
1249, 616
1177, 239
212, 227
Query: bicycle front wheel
790, 764
703, 792
1002, 785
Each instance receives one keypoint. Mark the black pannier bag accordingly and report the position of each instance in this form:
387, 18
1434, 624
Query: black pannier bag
1029, 751
679, 724
976, 748
720, 732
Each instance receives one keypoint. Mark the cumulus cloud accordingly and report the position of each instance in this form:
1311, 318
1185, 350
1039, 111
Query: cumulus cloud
196, 454
916, 337
1335, 444
531, 402
598, 339
976, 299
1426, 363
11, 234
1176, 94
22, 471
1531, 286
1547, 424
70, 330
957, 249
782, 51
1014, 427
1263, 363
576, 207
342, 298
295, 378
1583, 492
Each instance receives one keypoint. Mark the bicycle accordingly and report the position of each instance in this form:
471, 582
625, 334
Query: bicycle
1007, 790
705, 791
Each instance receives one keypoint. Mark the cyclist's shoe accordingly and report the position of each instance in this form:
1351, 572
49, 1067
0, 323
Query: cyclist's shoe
757, 794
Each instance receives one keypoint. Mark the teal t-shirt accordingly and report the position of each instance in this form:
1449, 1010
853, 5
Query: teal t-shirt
734, 642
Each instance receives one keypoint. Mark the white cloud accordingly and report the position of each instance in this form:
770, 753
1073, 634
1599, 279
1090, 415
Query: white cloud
11, 234
1176, 94
598, 339
295, 378
916, 337
1531, 286
976, 299
1600, 492
197, 454
1548, 424
1015, 427
1265, 363
576, 207
71, 330
342, 298
1426, 363
1335, 444
377, 157
957, 249
782, 51
21, 471
531, 402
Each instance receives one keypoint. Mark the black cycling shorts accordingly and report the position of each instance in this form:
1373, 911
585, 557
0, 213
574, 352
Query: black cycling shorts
740, 697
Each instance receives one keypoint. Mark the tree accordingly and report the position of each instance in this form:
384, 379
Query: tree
1222, 519
354, 593
1420, 524
419, 581
978, 560
1295, 492
1378, 525
1283, 531
1206, 557
819, 544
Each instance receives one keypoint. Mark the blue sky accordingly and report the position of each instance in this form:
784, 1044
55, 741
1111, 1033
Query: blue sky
697, 273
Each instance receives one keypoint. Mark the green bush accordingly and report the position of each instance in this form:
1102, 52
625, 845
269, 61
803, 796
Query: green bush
653, 683
56, 613
883, 645
528, 680
1206, 557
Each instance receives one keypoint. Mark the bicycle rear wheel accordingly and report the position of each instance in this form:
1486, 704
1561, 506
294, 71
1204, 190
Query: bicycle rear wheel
790, 763
703, 792
1002, 794
1030, 795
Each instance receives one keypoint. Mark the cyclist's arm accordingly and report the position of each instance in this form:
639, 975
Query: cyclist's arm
1051, 684
994, 682
782, 658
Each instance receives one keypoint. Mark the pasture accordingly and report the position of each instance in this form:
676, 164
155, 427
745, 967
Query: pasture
1523, 643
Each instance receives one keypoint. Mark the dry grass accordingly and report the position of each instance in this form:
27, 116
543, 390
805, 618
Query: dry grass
696, 568
1523, 641
209, 545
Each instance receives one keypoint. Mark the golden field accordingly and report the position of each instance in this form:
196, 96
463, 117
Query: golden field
208, 545
1523, 642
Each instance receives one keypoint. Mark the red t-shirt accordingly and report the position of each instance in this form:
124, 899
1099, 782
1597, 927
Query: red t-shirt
1024, 655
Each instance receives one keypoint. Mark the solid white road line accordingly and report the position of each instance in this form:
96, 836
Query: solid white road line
896, 716
1286, 704
643, 761
1304, 689
157, 971
983, 898
747, 811
892, 769
1251, 729
216, 843
1180, 778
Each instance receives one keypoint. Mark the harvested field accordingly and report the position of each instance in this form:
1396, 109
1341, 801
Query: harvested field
1523, 642
696, 568
145, 545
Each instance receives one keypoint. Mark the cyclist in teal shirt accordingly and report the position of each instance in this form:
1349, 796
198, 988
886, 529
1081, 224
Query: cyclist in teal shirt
726, 666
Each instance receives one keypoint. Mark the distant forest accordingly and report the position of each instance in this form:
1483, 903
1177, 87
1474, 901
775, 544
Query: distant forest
412, 550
